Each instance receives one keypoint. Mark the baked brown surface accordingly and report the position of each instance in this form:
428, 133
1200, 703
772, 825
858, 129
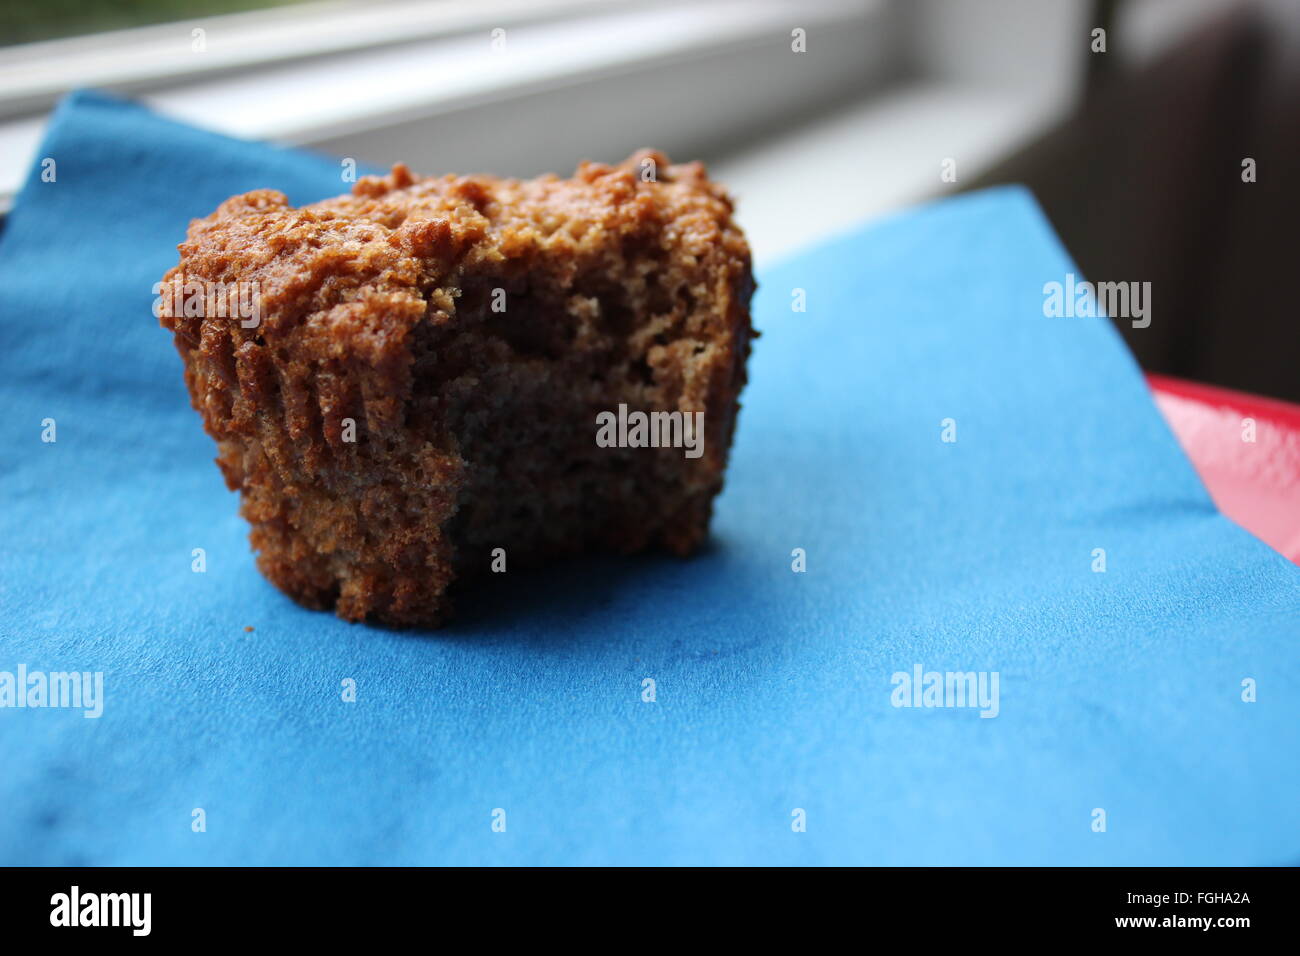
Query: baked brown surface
474, 429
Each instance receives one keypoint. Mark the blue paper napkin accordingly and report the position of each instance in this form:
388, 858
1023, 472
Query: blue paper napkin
1145, 713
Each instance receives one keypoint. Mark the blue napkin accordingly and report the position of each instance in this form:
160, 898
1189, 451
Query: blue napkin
1144, 714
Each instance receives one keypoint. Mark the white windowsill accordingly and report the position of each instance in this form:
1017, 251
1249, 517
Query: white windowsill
607, 82
353, 101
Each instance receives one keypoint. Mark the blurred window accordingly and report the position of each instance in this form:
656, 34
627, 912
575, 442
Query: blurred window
29, 21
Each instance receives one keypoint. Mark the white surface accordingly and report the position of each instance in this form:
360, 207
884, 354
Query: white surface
359, 91
873, 158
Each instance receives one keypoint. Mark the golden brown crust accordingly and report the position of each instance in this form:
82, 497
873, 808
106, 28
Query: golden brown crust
471, 428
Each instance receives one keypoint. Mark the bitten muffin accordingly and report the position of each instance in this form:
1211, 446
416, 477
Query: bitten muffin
425, 374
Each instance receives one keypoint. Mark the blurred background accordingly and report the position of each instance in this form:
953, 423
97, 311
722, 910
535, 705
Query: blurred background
1161, 136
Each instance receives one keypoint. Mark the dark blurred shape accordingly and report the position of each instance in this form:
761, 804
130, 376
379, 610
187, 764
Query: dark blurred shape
1099, 67
1145, 183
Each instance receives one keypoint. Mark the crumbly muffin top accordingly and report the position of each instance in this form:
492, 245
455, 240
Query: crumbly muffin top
399, 242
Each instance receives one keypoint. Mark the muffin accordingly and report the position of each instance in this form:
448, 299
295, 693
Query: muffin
438, 378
